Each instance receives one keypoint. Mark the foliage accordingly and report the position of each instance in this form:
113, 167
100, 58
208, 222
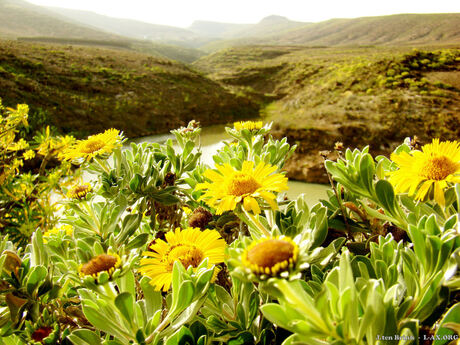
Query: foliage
31, 176
366, 266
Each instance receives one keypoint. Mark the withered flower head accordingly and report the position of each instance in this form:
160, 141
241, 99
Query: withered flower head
200, 218
41, 333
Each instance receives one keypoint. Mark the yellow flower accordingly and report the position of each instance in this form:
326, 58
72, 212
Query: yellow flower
437, 164
101, 263
249, 125
79, 191
54, 231
95, 145
189, 246
271, 256
19, 145
230, 187
29, 154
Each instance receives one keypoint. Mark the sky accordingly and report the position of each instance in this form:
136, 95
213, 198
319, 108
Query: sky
183, 12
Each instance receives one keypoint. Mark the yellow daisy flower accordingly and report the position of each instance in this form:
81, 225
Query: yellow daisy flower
230, 187
249, 125
436, 165
95, 145
79, 191
189, 246
271, 255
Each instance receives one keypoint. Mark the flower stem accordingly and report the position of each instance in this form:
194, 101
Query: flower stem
102, 164
257, 223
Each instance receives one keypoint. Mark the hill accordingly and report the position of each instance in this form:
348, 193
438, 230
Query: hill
133, 28
358, 96
90, 89
216, 29
20, 18
397, 29
393, 30
268, 26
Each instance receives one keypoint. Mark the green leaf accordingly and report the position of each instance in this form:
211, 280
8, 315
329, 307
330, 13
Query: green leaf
36, 277
84, 337
244, 338
137, 242
152, 298
130, 224
103, 321
444, 335
125, 304
182, 337
386, 195
135, 183
275, 314
367, 170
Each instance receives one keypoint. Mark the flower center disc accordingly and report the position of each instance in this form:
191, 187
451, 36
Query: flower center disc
93, 146
103, 262
80, 191
187, 255
242, 184
438, 168
270, 252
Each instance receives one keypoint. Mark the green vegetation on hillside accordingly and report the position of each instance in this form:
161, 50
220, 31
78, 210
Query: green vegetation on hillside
393, 30
358, 96
89, 89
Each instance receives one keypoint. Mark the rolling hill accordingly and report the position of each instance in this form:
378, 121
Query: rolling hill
87, 90
266, 27
401, 29
133, 28
19, 18
24, 21
393, 30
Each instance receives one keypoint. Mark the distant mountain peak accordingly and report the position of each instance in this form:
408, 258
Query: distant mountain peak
274, 19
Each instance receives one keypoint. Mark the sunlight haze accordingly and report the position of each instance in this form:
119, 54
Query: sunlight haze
182, 13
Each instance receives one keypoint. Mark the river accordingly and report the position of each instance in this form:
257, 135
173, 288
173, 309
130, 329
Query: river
211, 140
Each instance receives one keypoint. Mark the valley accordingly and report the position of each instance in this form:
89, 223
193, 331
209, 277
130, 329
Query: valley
363, 81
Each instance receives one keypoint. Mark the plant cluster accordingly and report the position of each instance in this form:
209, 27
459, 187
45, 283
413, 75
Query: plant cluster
154, 247
31, 173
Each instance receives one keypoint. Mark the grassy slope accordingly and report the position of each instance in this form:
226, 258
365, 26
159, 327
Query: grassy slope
19, 18
91, 89
359, 96
394, 30
389, 30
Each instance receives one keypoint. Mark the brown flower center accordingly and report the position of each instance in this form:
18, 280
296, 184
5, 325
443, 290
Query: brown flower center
93, 145
187, 255
80, 191
242, 184
438, 168
270, 252
103, 262
41, 333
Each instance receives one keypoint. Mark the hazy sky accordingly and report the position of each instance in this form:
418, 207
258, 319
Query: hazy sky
183, 12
